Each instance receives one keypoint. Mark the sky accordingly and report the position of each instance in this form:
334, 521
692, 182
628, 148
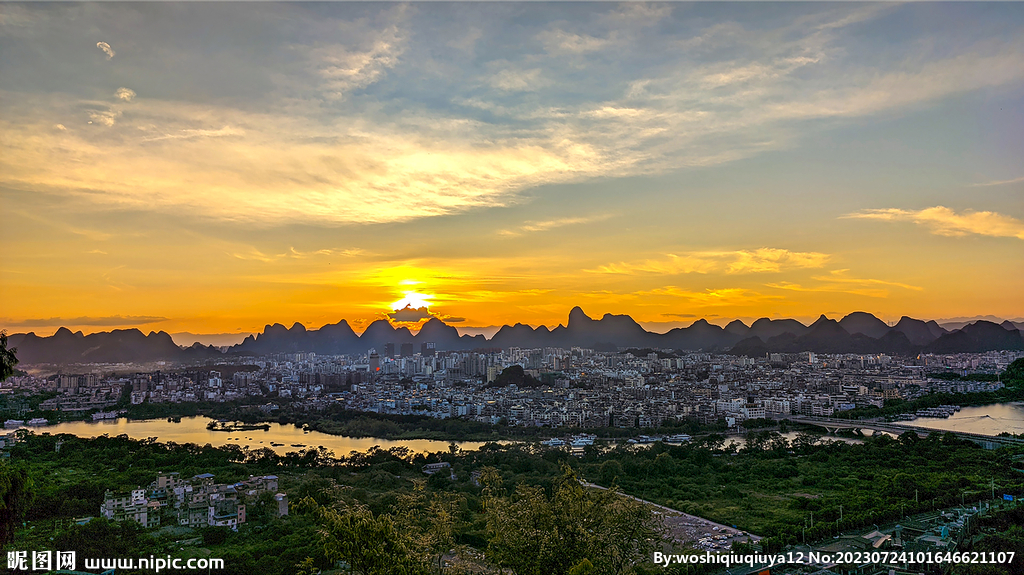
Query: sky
212, 168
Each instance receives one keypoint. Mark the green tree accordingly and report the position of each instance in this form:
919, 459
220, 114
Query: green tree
8, 359
574, 530
369, 544
16, 495
431, 521
1015, 371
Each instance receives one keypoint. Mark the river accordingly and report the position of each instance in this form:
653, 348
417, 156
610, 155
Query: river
289, 437
984, 419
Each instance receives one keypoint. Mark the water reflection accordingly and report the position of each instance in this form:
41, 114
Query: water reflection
984, 419
280, 437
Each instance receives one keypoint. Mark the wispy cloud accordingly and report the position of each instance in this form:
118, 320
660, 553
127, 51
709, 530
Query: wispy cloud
190, 133
712, 297
292, 253
106, 49
761, 260
946, 222
423, 144
838, 282
1000, 182
560, 41
839, 276
110, 321
545, 225
343, 68
512, 80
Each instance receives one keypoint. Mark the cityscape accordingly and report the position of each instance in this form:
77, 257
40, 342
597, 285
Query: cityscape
512, 288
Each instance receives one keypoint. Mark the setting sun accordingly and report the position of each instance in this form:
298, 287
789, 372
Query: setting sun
412, 299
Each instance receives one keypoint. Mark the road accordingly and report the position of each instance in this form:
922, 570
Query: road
689, 529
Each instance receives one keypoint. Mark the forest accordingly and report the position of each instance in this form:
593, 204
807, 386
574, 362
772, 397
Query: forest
497, 506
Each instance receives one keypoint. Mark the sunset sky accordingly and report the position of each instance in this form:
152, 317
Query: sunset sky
212, 168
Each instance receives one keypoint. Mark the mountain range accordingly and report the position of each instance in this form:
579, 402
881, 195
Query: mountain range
858, 332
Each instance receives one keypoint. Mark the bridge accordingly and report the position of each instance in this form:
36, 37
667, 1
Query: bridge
857, 425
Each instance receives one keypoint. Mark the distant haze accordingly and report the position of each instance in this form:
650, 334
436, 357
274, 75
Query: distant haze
214, 339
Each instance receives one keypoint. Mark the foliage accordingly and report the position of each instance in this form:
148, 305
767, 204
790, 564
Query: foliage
16, 494
574, 530
1015, 371
1003, 533
102, 538
8, 359
369, 544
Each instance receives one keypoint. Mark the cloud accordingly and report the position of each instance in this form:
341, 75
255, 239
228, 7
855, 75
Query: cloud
838, 282
839, 276
545, 225
60, 127
511, 80
106, 49
761, 260
342, 69
711, 297
946, 222
560, 41
1000, 182
422, 141
256, 255
190, 133
111, 320
409, 314
126, 94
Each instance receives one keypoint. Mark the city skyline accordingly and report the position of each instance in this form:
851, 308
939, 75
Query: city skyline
215, 168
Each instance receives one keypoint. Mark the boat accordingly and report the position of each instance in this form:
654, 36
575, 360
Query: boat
583, 440
553, 442
14, 423
298, 445
38, 421
678, 438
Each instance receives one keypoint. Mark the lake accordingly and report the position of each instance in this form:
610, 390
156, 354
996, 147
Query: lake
193, 430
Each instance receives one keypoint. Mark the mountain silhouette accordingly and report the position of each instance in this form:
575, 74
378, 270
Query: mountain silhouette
858, 332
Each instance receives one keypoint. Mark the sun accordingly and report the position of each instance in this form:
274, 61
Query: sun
413, 300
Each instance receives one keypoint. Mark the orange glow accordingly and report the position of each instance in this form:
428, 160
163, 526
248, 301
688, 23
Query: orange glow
413, 300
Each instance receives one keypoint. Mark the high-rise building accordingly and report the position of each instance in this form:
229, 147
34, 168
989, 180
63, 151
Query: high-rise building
389, 350
374, 362
427, 348
406, 350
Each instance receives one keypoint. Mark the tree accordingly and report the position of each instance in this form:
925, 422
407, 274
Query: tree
8, 359
16, 495
431, 521
1015, 371
370, 544
574, 530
